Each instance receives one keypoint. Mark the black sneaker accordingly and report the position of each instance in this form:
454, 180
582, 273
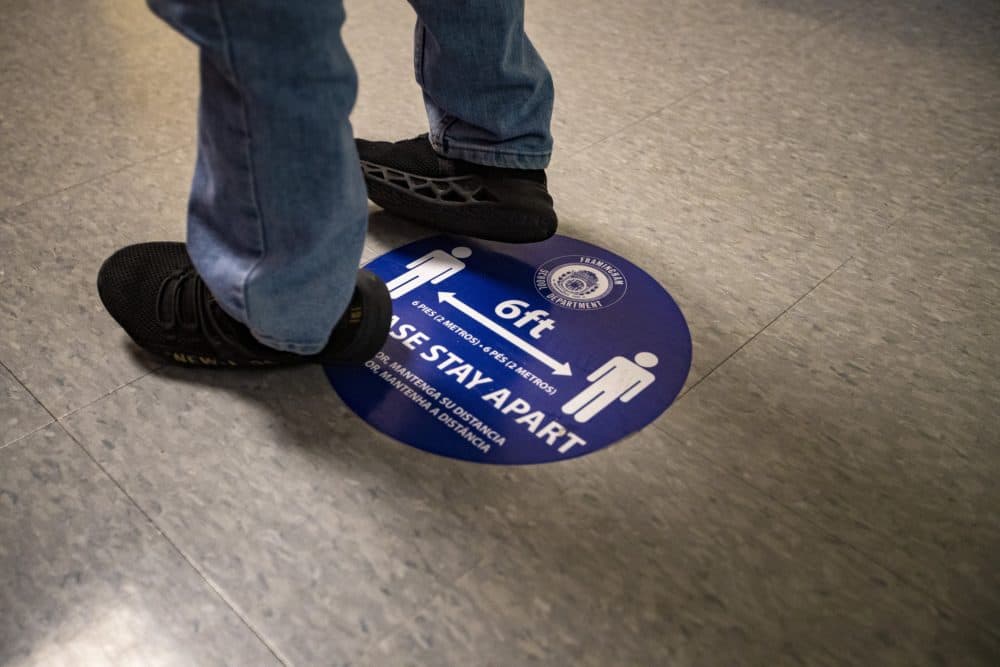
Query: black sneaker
153, 291
408, 179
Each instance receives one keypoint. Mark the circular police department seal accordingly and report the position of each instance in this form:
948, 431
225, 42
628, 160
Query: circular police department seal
580, 282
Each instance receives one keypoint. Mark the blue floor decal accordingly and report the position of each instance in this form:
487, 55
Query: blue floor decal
516, 354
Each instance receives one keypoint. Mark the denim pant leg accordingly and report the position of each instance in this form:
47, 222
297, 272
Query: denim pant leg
487, 92
278, 206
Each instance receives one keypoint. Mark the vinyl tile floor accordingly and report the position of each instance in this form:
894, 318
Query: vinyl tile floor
817, 183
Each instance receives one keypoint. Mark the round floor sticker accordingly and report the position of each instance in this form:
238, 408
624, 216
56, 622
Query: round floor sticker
516, 354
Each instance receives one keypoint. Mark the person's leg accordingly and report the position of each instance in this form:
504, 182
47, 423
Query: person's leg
489, 103
277, 212
487, 91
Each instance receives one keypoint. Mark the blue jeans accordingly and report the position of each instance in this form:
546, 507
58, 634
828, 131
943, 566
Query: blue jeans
278, 207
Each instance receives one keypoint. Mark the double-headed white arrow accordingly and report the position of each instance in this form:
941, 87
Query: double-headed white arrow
557, 368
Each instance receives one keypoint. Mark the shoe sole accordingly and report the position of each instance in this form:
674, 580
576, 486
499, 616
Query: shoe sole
376, 308
465, 205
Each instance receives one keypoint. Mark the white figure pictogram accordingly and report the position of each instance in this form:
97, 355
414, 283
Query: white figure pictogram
620, 379
435, 267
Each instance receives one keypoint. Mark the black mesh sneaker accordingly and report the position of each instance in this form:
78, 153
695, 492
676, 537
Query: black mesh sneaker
155, 294
408, 179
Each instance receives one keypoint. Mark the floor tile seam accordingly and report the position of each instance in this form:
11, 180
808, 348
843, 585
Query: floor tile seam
87, 181
835, 18
27, 435
628, 126
203, 576
30, 393
392, 629
397, 629
841, 17
425, 603
662, 429
108, 394
874, 238
857, 550
729, 73
904, 214
752, 338
390, 632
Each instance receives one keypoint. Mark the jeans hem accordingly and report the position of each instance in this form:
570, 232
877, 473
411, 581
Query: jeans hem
490, 157
295, 347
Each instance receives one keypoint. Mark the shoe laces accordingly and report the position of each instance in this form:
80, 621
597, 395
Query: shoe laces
185, 306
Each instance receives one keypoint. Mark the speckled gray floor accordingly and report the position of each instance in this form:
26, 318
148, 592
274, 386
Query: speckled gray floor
816, 182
